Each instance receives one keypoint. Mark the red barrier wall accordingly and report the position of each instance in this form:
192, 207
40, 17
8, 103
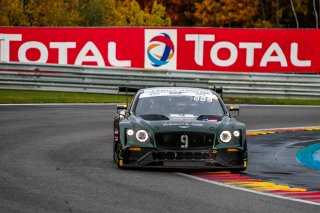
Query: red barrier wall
211, 49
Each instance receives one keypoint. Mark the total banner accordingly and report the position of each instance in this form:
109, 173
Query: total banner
197, 49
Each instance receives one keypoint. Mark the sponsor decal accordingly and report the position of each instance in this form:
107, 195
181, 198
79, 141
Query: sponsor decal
184, 127
197, 94
271, 53
181, 123
195, 49
160, 49
75, 46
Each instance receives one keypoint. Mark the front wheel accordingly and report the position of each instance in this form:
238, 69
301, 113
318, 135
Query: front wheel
116, 154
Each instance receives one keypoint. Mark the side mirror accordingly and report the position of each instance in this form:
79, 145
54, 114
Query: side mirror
121, 109
234, 110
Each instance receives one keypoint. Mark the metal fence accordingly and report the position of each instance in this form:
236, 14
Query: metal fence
107, 80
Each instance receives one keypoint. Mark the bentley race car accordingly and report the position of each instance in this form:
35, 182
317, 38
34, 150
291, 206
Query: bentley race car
179, 127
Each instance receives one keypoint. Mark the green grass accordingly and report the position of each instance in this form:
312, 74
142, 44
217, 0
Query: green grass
23, 96
271, 101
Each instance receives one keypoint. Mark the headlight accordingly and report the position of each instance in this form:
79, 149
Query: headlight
236, 133
142, 136
130, 132
225, 136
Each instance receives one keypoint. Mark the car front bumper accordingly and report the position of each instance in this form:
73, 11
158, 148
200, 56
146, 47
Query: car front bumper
228, 158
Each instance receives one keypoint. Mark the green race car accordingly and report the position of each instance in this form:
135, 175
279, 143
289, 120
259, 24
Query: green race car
178, 127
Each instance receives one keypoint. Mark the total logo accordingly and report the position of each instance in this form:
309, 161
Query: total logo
160, 49
164, 42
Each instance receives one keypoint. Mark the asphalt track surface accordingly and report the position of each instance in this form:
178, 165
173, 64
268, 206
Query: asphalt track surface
59, 159
274, 159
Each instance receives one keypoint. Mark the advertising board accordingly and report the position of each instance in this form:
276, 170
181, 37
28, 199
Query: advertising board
197, 49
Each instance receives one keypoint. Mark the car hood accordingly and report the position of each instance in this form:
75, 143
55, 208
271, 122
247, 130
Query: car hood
180, 124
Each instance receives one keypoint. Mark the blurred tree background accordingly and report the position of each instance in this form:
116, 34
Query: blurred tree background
202, 13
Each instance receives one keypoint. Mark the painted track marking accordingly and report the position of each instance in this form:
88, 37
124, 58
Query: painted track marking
281, 130
310, 156
259, 187
245, 183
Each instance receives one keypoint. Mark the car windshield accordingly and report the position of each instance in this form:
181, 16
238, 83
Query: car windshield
179, 104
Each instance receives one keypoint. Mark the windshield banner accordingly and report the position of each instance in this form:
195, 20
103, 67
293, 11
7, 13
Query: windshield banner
197, 49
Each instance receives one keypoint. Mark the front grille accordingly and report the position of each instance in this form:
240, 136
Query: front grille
182, 140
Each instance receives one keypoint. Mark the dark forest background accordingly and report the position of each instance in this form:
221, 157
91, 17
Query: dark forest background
202, 13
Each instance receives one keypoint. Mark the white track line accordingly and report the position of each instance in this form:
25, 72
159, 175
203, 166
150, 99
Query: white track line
252, 191
247, 190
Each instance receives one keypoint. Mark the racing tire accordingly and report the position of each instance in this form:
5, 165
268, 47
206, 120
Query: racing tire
116, 154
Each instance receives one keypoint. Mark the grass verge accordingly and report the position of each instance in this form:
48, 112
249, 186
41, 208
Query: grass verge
272, 101
24, 97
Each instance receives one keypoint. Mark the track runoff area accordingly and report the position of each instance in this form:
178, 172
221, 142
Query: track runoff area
307, 155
